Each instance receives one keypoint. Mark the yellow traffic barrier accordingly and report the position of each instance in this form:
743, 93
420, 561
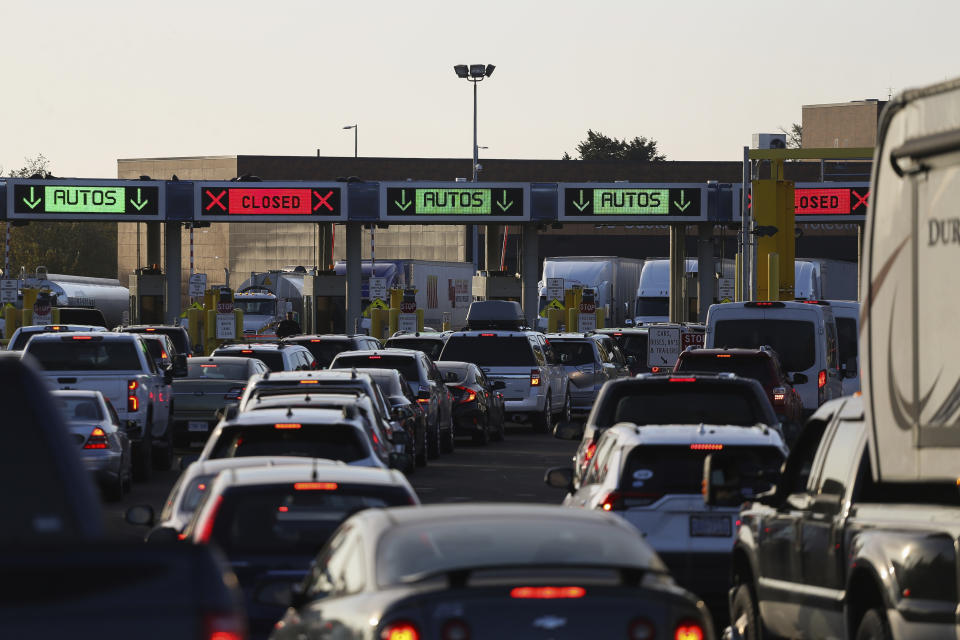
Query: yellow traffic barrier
394, 318
396, 297
11, 319
238, 320
555, 319
773, 276
29, 298
195, 325
601, 316
55, 315
572, 319
379, 318
419, 319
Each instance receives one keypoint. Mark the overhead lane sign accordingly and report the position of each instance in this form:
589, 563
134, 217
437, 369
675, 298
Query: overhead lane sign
112, 200
815, 202
457, 202
633, 202
270, 201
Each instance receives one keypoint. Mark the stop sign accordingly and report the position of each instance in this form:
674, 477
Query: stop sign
408, 307
224, 307
588, 307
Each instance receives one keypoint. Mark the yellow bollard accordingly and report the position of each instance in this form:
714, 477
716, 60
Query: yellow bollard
572, 319
601, 316
394, 320
55, 315
11, 318
773, 276
210, 331
419, 319
195, 329
554, 320
396, 297
238, 318
377, 318
29, 297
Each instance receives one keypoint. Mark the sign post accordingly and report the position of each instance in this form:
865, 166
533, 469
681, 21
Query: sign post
587, 320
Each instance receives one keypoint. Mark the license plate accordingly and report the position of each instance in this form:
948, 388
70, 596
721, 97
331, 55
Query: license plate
197, 426
710, 526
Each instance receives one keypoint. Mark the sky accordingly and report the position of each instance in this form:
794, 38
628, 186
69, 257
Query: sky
89, 82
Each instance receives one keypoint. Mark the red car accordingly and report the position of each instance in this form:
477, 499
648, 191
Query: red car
763, 365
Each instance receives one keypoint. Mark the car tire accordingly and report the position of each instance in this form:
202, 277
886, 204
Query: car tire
541, 423
113, 489
482, 437
564, 417
163, 452
873, 626
143, 457
745, 615
420, 451
433, 443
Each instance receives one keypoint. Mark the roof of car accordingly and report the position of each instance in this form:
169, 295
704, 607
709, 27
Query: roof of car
220, 360
289, 414
150, 326
390, 351
625, 331
216, 465
77, 393
31, 328
299, 399
734, 351
482, 511
272, 346
418, 335
321, 374
570, 336
308, 472
683, 435
325, 337
99, 335
517, 333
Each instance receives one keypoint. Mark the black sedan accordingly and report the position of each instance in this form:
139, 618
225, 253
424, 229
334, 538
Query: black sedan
477, 403
488, 571
404, 408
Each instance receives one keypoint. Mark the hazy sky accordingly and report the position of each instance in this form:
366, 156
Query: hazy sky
89, 82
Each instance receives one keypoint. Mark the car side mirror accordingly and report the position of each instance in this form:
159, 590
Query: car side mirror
729, 480
180, 365
799, 378
140, 515
498, 384
559, 478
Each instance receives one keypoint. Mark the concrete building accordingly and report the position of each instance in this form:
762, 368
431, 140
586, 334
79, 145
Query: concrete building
841, 125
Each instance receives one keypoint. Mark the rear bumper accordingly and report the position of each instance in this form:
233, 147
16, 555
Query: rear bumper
468, 421
582, 400
104, 465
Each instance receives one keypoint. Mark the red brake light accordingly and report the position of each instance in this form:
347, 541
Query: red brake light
206, 527
287, 425
547, 593
535, 377
688, 630
683, 379
617, 333
779, 393
822, 379
208, 366
723, 355
132, 385
374, 357
703, 446
226, 626
467, 395
97, 439
315, 486
591, 449
314, 339
423, 400
488, 335
654, 369
163, 353
400, 630
615, 500
133, 403
246, 350
150, 329
82, 338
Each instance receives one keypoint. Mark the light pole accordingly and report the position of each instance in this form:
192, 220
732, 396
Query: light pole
355, 128
474, 73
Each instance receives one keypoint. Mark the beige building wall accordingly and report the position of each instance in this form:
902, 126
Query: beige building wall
847, 124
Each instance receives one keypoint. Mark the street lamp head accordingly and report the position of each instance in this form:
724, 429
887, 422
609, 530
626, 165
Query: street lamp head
489, 70
350, 126
477, 71
461, 70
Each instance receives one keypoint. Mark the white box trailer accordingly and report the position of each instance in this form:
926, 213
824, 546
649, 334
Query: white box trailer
614, 279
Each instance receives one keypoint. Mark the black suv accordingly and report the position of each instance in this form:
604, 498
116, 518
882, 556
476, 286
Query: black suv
430, 343
325, 347
178, 335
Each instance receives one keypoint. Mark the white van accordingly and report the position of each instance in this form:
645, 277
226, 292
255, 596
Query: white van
803, 335
846, 313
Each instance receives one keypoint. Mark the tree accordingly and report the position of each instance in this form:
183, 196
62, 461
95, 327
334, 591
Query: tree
76, 248
598, 146
794, 135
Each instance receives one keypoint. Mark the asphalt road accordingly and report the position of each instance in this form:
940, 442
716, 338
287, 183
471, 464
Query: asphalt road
508, 471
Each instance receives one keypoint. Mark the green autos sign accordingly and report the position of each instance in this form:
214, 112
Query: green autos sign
118, 200
625, 202
453, 202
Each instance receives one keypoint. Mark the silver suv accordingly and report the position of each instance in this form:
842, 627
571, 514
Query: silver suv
536, 384
589, 360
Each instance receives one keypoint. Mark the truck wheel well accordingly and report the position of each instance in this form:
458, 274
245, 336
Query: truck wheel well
742, 571
863, 594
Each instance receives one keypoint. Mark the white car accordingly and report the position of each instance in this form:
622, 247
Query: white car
846, 313
20, 337
652, 475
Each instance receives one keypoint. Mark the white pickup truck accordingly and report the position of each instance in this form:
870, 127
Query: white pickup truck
118, 366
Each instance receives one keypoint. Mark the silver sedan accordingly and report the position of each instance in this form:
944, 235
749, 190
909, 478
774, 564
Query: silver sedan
104, 446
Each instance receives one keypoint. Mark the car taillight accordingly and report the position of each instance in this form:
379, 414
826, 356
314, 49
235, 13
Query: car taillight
315, 486
547, 593
287, 425
455, 629
535, 377
688, 630
224, 626
616, 500
683, 379
706, 446
235, 393
133, 404
97, 439
640, 629
822, 379
466, 394
400, 630
82, 338
654, 369
206, 527
779, 394
591, 449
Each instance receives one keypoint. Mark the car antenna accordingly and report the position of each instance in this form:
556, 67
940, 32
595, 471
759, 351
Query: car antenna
314, 475
289, 412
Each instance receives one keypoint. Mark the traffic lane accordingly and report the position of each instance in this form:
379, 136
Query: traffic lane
508, 471
154, 492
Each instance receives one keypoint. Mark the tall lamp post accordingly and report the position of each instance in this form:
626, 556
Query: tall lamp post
355, 128
475, 73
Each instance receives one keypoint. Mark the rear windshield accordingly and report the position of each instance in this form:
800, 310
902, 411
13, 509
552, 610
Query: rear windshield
214, 371
684, 403
577, 351
389, 384
85, 355
155, 349
284, 519
76, 408
756, 367
273, 359
793, 340
453, 373
652, 471
635, 345
406, 365
490, 351
176, 335
430, 347
337, 442
325, 351
847, 334
82, 316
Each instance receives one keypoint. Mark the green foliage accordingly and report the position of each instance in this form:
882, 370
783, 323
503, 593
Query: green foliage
794, 135
598, 146
75, 248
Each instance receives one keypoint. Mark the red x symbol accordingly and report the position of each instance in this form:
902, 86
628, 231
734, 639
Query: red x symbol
216, 200
322, 200
861, 199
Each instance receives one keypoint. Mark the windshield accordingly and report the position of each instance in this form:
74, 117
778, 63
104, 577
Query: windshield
324, 351
256, 307
684, 403
388, 381
406, 365
273, 359
284, 519
76, 408
793, 340
414, 549
577, 351
653, 306
756, 367
215, 371
155, 349
333, 441
490, 351
85, 355
176, 334
430, 347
